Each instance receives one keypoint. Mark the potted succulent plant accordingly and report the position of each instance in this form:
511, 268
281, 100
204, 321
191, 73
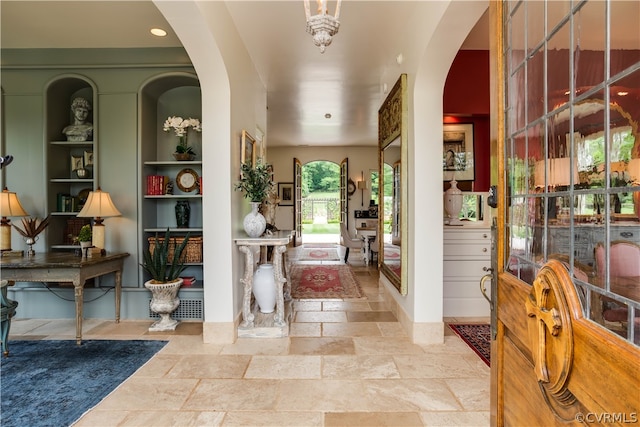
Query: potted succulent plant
31, 231
162, 261
256, 183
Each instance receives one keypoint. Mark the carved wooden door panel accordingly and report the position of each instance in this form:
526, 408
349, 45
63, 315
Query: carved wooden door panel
565, 139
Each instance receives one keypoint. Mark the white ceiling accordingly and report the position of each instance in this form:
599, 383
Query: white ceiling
302, 84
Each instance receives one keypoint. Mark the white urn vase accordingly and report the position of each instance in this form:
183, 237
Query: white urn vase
164, 301
254, 222
453, 203
264, 288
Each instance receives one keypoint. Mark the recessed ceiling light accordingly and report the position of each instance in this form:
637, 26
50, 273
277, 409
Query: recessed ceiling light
327, 116
158, 32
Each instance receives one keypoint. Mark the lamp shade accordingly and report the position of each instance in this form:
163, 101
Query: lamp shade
10, 204
99, 204
362, 185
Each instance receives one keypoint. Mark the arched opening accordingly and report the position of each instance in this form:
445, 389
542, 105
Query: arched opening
321, 202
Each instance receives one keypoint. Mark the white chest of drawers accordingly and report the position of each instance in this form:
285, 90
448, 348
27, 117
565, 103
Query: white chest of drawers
467, 257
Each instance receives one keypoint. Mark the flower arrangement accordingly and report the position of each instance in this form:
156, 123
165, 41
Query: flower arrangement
255, 181
181, 127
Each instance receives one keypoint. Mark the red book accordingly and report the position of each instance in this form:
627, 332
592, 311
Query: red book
188, 280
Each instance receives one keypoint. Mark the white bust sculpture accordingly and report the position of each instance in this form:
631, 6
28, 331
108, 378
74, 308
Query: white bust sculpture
81, 129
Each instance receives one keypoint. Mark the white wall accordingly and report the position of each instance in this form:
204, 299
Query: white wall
233, 99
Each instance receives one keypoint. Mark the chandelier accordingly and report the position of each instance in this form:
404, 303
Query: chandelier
322, 26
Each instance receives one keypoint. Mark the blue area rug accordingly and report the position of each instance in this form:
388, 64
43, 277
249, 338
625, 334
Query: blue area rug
53, 383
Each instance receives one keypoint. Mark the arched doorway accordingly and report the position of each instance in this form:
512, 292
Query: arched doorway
320, 202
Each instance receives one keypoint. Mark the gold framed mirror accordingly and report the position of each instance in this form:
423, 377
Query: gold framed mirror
392, 165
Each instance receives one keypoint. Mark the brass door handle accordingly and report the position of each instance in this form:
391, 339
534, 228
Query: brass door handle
483, 288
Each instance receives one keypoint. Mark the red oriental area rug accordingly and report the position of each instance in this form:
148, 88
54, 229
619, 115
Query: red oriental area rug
319, 254
324, 281
478, 337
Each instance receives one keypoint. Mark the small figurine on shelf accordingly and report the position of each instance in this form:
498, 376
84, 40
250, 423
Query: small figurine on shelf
81, 129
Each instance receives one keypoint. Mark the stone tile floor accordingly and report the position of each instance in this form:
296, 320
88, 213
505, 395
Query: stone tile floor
345, 363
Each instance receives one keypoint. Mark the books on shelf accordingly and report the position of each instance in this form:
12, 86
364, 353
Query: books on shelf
67, 203
157, 185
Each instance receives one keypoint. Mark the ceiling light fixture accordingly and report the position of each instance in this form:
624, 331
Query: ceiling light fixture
322, 26
158, 32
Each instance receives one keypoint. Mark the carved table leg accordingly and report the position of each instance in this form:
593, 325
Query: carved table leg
278, 319
247, 281
78, 290
118, 293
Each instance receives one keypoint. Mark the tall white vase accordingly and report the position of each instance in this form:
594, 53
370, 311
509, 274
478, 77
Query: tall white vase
453, 203
264, 288
254, 223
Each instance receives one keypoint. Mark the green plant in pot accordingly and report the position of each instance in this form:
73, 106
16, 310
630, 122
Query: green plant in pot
84, 237
164, 266
256, 182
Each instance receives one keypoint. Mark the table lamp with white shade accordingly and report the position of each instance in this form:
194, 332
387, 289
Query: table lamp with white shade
9, 206
98, 206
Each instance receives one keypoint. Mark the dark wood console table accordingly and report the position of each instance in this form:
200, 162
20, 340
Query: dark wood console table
66, 267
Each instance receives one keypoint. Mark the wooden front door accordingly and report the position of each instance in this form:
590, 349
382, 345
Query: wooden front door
559, 356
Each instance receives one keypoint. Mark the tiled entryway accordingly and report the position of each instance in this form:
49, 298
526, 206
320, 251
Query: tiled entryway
345, 363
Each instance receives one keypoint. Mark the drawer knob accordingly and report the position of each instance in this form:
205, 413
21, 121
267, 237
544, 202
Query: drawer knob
626, 234
485, 235
484, 249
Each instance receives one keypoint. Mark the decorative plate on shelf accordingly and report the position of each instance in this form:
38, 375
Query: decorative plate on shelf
187, 180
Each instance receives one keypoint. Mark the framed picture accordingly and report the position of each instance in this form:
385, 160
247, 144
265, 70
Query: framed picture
76, 163
457, 152
247, 148
285, 193
88, 158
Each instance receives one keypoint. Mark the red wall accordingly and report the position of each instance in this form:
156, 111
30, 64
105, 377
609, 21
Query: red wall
466, 100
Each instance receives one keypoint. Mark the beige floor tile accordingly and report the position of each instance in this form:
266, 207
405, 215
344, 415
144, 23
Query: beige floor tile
380, 419
284, 367
307, 305
150, 394
471, 392
346, 306
158, 366
189, 344
371, 316
234, 395
320, 316
350, 330
210, 366
113, 329
254, 346
410, 395
274, 419
359, 367
385, 345
434, 366
322, 395
321, 346
305, 330
462, 419
391, 329
98, 418
173, 419
27, 326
